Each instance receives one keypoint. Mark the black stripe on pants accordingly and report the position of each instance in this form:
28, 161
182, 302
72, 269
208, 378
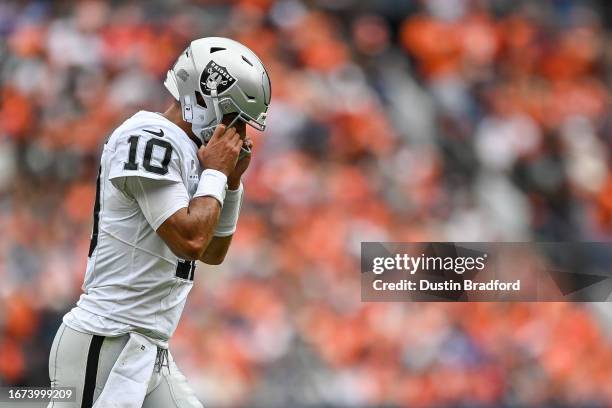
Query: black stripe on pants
91, 371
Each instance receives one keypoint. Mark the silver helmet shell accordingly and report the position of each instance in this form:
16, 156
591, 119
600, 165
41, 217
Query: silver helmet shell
215, 76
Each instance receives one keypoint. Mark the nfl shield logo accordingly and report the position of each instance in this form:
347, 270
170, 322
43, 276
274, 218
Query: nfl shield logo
215, 76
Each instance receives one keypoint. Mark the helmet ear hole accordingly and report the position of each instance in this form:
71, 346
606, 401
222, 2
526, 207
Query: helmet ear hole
200, 99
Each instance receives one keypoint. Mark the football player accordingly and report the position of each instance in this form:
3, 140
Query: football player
168, 194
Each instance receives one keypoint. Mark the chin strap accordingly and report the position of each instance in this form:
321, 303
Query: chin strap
206, 132
214, 96
188, 117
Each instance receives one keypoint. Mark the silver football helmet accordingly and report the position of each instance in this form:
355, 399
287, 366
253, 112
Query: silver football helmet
216, 76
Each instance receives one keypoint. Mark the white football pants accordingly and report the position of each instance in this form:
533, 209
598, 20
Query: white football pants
84, 361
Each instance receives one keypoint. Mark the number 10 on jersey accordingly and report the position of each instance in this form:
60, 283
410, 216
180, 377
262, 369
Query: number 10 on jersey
131, 164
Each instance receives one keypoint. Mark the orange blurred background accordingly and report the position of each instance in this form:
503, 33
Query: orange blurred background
391, 120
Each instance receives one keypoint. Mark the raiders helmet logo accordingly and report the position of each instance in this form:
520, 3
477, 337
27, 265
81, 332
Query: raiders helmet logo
215, 76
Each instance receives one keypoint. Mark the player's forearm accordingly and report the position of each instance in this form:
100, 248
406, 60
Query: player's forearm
216, 250
190, 230
226, 226
205, 212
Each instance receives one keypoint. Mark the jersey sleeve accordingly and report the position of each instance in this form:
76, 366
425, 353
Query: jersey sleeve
157, 200
140, 154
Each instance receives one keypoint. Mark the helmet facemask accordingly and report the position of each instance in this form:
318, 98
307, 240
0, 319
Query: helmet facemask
221, 107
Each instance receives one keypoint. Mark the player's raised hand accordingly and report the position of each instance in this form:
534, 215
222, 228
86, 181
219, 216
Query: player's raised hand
221, 152
233, 179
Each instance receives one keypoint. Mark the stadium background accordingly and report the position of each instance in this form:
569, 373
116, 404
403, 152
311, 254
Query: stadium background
391, 120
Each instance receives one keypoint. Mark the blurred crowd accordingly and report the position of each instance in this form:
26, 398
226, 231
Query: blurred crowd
391, 120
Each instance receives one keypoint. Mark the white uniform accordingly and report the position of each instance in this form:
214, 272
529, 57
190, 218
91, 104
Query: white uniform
132, 277
133, 283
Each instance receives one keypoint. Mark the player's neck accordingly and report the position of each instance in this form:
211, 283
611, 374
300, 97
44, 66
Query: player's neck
174, 115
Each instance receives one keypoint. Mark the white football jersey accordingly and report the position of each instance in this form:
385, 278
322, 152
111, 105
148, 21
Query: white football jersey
134, 282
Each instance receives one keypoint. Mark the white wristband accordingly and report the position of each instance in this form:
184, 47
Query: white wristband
212, 183
228, 220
